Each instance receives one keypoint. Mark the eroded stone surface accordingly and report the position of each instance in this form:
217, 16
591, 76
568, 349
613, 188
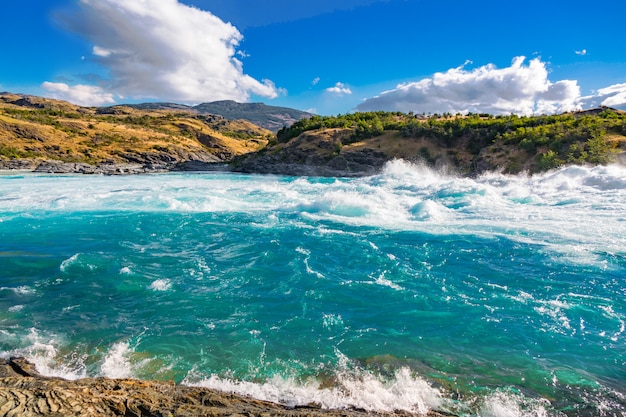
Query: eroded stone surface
25, 393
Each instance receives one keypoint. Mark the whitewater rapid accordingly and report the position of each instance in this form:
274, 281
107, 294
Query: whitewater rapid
412, 289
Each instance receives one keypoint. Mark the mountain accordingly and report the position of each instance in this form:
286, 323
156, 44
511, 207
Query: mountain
268, 117
35, 131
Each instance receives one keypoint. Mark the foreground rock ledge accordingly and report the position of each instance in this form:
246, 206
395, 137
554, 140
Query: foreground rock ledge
25, 393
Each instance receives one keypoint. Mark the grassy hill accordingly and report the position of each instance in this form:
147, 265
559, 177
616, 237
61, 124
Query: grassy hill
166, 136
361, 143
42, 129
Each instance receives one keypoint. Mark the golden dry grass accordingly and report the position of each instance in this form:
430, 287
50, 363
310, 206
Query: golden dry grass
34, 127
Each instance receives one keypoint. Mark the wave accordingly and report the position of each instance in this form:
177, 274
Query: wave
72, 260
161, 285
493, 286
361, 390
346, 385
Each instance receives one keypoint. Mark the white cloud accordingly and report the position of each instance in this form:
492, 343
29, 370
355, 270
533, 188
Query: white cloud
340, 89
315, 81
520, 89
98, 51
83, 95
581, 52
612, 96
166, 50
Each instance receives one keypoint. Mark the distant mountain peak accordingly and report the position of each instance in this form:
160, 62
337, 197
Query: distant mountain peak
269, 117
261, 114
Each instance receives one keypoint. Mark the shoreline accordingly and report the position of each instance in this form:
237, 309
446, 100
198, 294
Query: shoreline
9, 167
60, 167
23, 391
111, 169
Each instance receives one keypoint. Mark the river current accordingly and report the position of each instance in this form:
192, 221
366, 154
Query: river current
413, 289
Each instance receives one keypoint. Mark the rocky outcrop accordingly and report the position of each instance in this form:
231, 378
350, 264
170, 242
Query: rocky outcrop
354, 164
23, 392
314, 153
140, 165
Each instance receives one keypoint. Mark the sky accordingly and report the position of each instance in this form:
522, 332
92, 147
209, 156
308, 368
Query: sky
325, 56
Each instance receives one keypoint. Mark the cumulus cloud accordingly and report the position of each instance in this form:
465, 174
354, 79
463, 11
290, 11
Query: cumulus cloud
611, 96
582, 52
520, 88
83, 95
166, 50
340, 89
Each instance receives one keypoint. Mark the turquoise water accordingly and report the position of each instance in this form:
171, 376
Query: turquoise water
415, 290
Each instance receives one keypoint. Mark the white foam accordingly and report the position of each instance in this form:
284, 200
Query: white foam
507, 404
116, 363
41, 350
557, 209
358, 389
309, 270
21, 290
381, 280
68, 262
429, 210
161, 285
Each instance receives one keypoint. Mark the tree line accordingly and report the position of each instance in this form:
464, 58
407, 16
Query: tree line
556, 139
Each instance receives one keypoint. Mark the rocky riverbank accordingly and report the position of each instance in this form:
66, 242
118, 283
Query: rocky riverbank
24, 392
60, 167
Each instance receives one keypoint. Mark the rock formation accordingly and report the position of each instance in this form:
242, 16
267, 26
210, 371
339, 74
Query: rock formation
25, 393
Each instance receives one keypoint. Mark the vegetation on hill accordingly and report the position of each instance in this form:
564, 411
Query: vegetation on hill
513, 143
37, 128
166, 136
268, 117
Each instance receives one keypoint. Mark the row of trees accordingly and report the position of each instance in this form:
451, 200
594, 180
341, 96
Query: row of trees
577, 137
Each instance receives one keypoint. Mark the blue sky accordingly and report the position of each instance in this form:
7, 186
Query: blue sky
327, 56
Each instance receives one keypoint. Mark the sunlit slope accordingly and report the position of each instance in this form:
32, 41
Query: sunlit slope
165, 137
361, 143
44, 129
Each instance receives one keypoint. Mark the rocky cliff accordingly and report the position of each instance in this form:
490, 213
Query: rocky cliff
23, 392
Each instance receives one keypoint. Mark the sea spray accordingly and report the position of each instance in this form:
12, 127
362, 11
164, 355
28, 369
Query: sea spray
360, 390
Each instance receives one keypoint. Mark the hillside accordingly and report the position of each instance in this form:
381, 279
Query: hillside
269, 117
34, 130
56, 136
361, 143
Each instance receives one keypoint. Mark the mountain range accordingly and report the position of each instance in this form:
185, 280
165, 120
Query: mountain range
268, 117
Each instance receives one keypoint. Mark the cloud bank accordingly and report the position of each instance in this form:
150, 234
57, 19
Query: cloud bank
519, 88
162, 49
612, 96
83, 95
